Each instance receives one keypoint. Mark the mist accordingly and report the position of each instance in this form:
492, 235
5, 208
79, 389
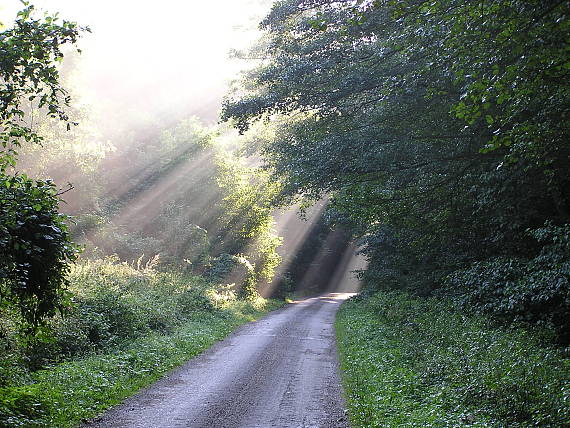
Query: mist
152, 172
148, 61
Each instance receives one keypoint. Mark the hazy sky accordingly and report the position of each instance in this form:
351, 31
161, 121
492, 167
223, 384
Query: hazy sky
160, 57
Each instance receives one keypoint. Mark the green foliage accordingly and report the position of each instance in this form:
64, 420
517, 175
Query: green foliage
411, 362
187, 194
31, 50
19, 407
438, 129
179, 191
523, 290
35, 250
246, 220
115, 302
268, 259
235, 271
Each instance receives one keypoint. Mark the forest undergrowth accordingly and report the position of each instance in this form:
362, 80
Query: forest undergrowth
128, 325
413, 362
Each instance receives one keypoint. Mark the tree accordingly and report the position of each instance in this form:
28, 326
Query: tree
35, 248
438, 127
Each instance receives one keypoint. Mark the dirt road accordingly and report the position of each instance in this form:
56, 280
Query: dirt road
280, 371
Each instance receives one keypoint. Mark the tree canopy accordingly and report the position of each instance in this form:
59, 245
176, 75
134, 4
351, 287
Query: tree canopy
440, 130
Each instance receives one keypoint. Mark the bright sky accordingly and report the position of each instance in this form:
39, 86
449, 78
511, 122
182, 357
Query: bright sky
162, 57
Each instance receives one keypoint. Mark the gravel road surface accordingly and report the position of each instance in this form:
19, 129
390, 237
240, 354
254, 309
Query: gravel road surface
280, 371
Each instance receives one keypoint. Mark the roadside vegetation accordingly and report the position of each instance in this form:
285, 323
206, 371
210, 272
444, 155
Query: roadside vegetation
167, 233
412, 362
127, 326
439, 132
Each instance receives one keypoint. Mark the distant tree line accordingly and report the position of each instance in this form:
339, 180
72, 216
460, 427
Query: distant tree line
440, 130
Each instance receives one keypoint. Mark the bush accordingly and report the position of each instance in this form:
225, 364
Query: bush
19, 407
193, 300
116, 302
514, 289
235, 270
113, 303
35, 249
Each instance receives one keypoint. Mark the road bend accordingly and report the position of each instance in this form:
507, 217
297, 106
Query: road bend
281, 371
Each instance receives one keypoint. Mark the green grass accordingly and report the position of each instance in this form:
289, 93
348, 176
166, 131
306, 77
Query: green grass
129, 327
64, 395
410, 362
77, 390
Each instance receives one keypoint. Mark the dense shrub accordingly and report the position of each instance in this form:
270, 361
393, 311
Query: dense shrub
19, 407
35, 249
534, 290
169, 318
113, 302
237, 271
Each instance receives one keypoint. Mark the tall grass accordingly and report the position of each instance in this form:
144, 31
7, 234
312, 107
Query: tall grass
412, 362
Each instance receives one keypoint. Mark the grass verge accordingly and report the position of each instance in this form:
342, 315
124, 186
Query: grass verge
73, 391
127, 329
410, 362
